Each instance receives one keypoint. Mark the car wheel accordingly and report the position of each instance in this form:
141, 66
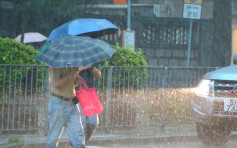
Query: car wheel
213, 134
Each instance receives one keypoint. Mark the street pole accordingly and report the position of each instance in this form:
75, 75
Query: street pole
189, 42
129, 35
129, 15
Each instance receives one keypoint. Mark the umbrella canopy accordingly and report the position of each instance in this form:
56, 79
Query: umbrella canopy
31, 37
89, 26
74, 51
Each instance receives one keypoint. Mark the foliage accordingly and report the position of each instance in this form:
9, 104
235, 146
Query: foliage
13, 76
13, 52
124, 56
162, 105
128, 67
44, 16
16, 139
171, 105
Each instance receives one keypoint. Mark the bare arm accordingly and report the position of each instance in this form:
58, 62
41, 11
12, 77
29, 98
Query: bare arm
96, 72
74, 72
77, 80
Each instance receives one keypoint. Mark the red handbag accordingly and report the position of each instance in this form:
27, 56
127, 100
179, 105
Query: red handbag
89, 100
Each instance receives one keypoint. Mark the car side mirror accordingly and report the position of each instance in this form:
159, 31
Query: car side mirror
235, 59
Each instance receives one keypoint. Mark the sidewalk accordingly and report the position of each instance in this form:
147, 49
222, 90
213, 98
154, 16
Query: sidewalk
149, 133
170, 133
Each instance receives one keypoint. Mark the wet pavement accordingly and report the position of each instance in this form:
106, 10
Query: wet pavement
195, 143
171, 137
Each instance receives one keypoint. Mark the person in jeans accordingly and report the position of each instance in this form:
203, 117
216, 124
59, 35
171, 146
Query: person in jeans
90, 123
63, 112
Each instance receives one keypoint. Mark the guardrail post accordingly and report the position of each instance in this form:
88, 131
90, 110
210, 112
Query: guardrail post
163, 100
108, 97
46, 102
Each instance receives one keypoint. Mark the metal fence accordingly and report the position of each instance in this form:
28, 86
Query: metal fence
131, 96
21, 92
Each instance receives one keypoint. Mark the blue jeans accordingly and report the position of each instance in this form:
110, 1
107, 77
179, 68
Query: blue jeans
90, 123
64, 114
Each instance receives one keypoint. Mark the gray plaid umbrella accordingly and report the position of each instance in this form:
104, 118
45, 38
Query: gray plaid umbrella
74, 51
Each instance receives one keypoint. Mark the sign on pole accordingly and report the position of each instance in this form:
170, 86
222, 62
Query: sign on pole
129, 39
192, 9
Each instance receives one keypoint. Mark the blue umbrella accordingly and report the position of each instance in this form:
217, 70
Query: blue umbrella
74, 51
89, 26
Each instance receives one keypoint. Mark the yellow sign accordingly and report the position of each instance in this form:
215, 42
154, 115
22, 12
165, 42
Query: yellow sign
196, 2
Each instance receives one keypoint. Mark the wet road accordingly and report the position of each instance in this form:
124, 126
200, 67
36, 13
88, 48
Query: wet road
171, 144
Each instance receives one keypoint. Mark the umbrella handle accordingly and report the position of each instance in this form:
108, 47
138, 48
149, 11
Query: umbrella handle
68, 65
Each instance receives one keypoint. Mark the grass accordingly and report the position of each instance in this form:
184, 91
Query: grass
154, 106
17, 140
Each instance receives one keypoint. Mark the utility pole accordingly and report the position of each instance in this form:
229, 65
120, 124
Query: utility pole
189, 42
129, 16
129, 35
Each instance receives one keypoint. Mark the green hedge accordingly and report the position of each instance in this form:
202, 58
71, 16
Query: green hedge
124, 56
133, 70
15, 53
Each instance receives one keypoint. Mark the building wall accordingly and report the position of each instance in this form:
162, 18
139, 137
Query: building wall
222, 33
171, 57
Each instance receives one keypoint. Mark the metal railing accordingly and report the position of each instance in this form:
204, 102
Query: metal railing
131, 96
147, 96
22, 90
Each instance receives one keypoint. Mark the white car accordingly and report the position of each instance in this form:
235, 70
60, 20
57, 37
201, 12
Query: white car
215, 105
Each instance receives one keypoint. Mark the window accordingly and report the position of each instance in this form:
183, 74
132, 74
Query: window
165, 34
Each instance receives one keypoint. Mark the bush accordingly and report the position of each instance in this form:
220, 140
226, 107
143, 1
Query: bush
15, 53
126, 57
129, 66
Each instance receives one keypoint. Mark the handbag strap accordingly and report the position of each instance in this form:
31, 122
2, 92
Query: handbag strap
84, 83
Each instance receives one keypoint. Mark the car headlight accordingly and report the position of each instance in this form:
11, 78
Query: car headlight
203, 88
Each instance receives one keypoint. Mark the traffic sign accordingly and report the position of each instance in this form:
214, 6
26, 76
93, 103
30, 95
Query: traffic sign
192, 11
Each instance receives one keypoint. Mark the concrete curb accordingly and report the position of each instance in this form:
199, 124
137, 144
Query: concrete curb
145, 139
108, 140
100, 139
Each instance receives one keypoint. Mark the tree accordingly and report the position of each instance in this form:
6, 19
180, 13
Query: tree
43, 16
